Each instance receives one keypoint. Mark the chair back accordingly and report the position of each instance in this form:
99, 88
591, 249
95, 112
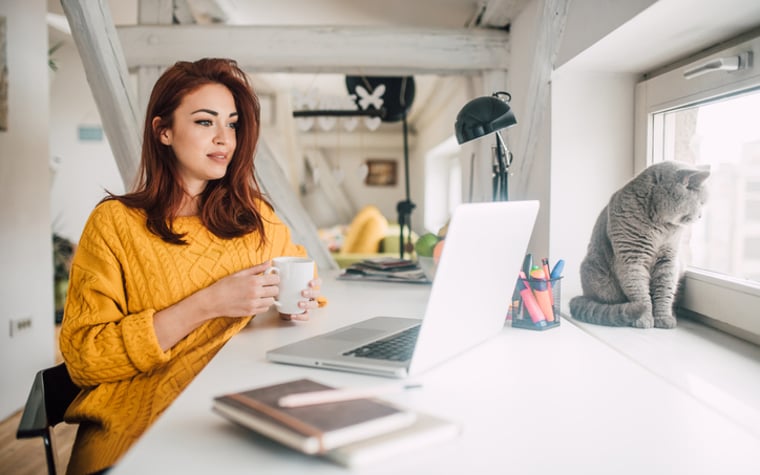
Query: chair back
51, 394
365, 232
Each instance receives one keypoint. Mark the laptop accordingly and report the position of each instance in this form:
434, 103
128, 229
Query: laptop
468, 301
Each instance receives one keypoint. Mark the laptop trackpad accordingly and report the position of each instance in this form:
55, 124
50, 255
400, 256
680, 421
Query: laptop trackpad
356, 334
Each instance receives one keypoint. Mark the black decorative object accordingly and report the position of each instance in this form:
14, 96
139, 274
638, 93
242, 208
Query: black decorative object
397, 98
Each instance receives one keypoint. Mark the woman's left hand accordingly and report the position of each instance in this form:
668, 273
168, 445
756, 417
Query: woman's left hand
310, 295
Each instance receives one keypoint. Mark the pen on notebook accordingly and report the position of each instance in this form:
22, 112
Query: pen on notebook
342, 394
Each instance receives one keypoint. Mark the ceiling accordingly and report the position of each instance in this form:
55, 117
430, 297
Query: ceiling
398, 13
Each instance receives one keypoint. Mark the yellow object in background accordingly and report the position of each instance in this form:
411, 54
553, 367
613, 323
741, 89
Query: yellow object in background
365, 232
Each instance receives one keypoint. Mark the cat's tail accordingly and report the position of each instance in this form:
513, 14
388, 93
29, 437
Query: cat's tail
618, 314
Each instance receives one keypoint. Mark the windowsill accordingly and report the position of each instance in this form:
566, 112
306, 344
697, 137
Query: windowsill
715, 368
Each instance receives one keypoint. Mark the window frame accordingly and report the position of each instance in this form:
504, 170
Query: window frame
726, 303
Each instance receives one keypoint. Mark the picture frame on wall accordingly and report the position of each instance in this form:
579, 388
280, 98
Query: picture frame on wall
381, 172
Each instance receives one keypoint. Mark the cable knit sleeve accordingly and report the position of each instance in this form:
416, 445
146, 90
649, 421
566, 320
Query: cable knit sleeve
99, 340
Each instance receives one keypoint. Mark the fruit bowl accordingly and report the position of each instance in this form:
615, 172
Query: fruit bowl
428, 266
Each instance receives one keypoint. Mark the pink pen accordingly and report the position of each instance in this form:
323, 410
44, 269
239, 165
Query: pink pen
529, 300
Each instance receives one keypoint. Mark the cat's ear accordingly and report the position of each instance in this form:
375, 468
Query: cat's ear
697, 178
692, 179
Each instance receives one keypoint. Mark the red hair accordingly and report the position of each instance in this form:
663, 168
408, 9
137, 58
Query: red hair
228, 206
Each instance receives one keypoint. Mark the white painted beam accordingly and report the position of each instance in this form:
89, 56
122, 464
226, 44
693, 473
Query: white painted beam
95, 36
276, 187
549, 36
335, 197
336, 49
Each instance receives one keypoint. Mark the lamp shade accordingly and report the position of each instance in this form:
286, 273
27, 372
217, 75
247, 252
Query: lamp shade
482, 116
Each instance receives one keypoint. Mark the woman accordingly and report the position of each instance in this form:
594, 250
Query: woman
165, 275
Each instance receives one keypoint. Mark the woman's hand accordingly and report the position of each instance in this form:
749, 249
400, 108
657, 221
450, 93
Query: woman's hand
241, 294
244, 293
310, 295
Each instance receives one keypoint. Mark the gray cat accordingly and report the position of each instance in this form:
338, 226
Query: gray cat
630, 273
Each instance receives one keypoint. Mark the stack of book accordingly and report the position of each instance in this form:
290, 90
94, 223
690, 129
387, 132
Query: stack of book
352, 433
385, 269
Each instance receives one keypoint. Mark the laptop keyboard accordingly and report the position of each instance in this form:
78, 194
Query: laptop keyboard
398, 347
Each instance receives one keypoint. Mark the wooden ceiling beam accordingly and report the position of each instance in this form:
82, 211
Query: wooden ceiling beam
336, 49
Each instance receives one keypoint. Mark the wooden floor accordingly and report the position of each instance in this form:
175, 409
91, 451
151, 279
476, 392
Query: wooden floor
27, 456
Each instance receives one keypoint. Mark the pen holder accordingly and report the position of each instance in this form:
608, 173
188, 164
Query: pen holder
537, 304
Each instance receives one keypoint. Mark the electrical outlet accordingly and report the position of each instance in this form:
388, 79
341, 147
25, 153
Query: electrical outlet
20, 325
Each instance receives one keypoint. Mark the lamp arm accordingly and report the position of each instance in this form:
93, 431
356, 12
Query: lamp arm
504, 157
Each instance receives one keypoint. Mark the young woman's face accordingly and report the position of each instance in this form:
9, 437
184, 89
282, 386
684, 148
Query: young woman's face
203, 135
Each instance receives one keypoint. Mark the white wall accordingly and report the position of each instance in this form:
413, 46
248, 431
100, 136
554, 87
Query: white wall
359, 194
606, 15
592, 156
26, 289
436, 126
84, 169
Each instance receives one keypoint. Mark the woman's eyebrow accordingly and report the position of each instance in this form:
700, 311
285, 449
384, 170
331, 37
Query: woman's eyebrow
214, 113
207, 111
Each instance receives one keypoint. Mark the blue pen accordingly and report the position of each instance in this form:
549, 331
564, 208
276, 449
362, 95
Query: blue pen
557, 271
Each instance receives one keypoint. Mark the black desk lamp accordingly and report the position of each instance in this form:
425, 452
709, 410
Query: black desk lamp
482, 116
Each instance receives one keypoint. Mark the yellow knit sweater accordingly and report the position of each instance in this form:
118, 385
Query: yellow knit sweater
121, 276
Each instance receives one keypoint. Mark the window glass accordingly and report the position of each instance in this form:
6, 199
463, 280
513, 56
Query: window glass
724, 135
713, 119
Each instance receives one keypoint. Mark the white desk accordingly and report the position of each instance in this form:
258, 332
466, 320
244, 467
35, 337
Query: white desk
548, 402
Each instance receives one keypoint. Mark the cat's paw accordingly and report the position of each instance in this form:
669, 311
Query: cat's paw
665, 322
643, 311
646, 321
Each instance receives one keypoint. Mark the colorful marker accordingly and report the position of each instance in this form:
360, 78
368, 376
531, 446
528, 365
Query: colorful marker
526, 265
547, 276
529, 300
538, 281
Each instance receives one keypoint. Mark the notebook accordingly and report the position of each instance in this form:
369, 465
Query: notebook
468, 301
311, 429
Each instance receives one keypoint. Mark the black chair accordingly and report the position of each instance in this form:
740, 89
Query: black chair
51, 394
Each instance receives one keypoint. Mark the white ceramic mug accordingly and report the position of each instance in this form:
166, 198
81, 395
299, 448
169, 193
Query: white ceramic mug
295, 274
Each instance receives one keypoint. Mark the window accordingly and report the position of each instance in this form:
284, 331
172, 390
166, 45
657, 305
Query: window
443, 184
707, 113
